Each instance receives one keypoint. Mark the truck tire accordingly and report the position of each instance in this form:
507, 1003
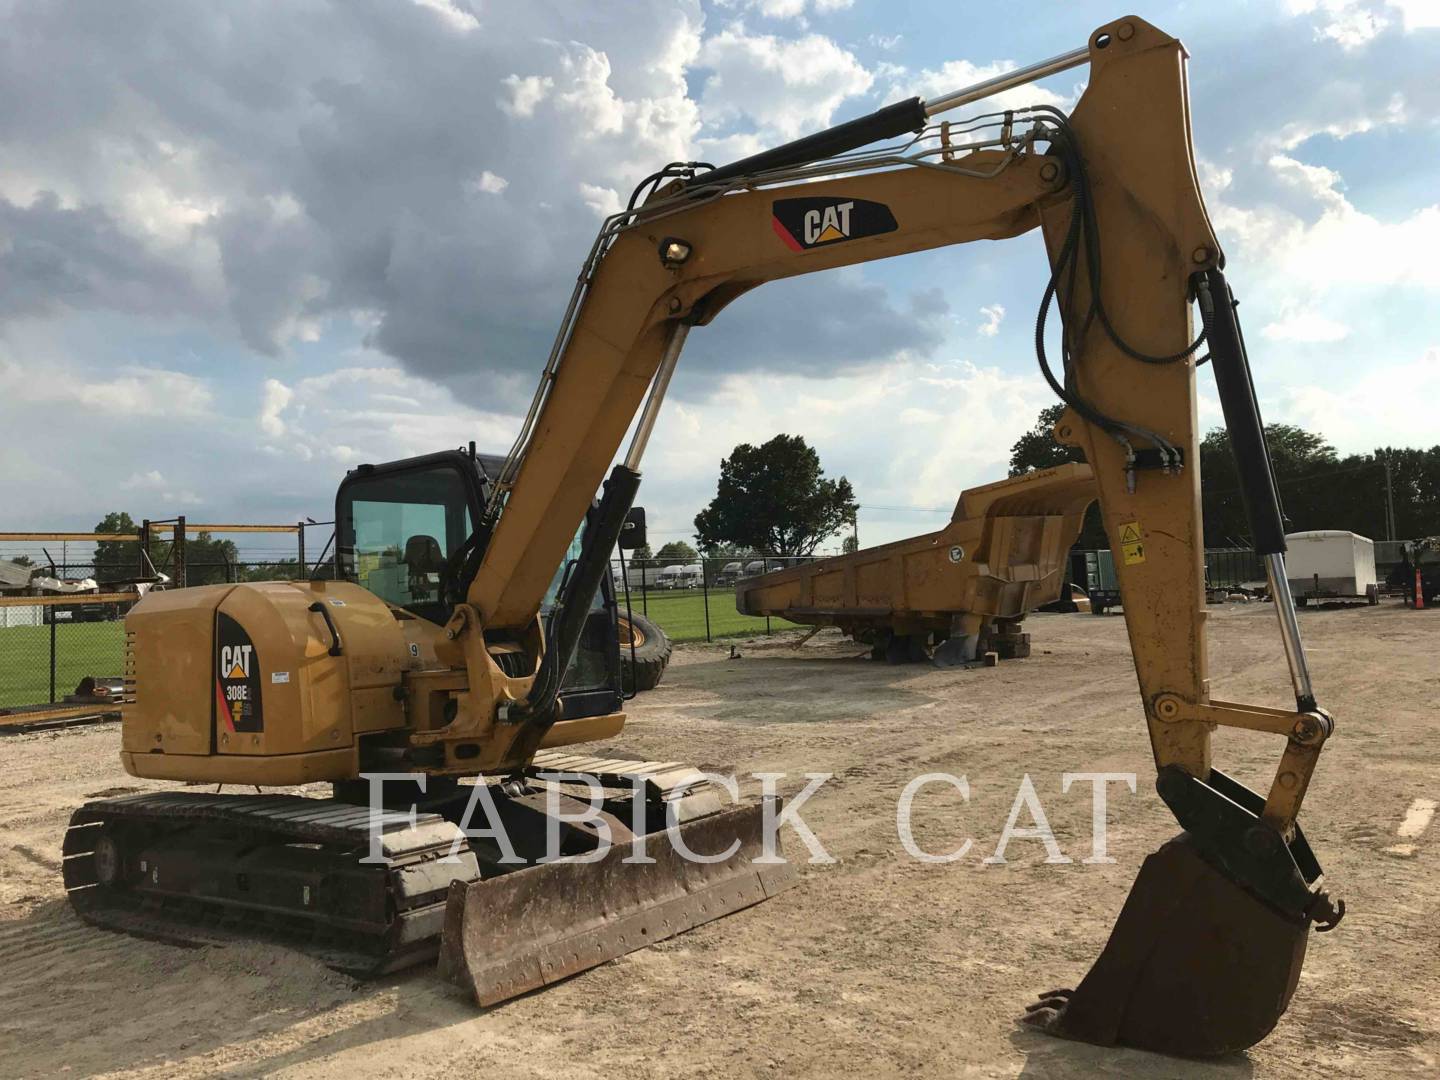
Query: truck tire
652, 653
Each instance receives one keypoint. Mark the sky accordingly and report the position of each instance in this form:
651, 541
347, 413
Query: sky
246, 247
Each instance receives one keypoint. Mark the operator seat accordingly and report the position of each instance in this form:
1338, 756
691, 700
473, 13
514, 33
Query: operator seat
424, 561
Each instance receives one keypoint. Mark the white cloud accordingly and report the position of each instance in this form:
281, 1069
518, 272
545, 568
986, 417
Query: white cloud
456, 16
787, 9
1350, 23
151, 479
604, 201
367, 413
154, 485
993, 314
488, 183
1321, 240
525, 93
1353, 23
1296, 132
1307, 328
132, 390
275, 396
1418, 14
342, 184
788, 86
593, 104
1364, 411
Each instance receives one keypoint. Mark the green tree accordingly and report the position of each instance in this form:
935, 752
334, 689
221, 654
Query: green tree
280, 570
117, 559
209, 561
1304, 464
849, 545
775, 499
1037, 448
676, 553
725, 551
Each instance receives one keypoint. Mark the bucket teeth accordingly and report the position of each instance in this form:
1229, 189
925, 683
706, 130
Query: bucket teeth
1196, 965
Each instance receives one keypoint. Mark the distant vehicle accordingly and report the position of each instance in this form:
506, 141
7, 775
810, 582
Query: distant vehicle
1331, 564
682, 577
754, 568
730, 573
1101, 585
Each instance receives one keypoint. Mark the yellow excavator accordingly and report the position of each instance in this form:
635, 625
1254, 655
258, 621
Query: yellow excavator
288, 683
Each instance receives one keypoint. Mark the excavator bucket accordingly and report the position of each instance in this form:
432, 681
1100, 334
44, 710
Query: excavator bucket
524, 930
1196, 965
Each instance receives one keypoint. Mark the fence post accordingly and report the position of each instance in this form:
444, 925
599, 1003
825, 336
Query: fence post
178, 550
52, 655
705, 594
766, 570
300, 550
644, 596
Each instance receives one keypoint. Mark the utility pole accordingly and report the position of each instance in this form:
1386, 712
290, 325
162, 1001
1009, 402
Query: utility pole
1389, 504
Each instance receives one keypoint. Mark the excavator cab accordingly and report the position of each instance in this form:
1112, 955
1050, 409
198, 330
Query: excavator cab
403, 529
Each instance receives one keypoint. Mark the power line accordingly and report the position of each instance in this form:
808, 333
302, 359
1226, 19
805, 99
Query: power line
1323, 474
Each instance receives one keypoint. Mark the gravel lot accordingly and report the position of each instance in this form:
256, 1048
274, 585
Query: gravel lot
874, 964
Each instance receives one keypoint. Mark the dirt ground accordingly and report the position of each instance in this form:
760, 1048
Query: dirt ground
875, 964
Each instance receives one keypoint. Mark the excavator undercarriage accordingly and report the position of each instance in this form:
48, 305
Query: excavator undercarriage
370, 889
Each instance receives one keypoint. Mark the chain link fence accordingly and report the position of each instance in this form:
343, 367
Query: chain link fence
51, 644
695, 601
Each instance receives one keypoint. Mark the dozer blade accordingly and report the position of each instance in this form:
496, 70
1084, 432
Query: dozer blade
1196, 965
524, 930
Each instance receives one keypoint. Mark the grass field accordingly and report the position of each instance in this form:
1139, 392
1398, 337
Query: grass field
681, 614
91, 648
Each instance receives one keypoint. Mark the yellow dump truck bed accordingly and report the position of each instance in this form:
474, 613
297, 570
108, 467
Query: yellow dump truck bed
1002, 554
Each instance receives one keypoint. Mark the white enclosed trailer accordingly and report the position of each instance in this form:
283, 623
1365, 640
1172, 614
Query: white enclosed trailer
1331, 564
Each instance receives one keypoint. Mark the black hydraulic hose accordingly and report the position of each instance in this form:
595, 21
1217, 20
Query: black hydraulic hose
630, 618
572, 607
1236, 388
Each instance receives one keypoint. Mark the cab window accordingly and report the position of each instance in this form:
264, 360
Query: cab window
572, 553
398, 530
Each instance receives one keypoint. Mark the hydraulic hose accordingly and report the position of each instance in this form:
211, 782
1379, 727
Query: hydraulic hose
572, 607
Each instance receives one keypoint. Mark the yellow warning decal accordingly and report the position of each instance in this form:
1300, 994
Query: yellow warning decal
1132, 548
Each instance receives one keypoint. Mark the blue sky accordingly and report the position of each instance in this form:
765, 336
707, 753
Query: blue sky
245, 248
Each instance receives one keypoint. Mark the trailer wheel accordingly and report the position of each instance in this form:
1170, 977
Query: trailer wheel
652, 653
